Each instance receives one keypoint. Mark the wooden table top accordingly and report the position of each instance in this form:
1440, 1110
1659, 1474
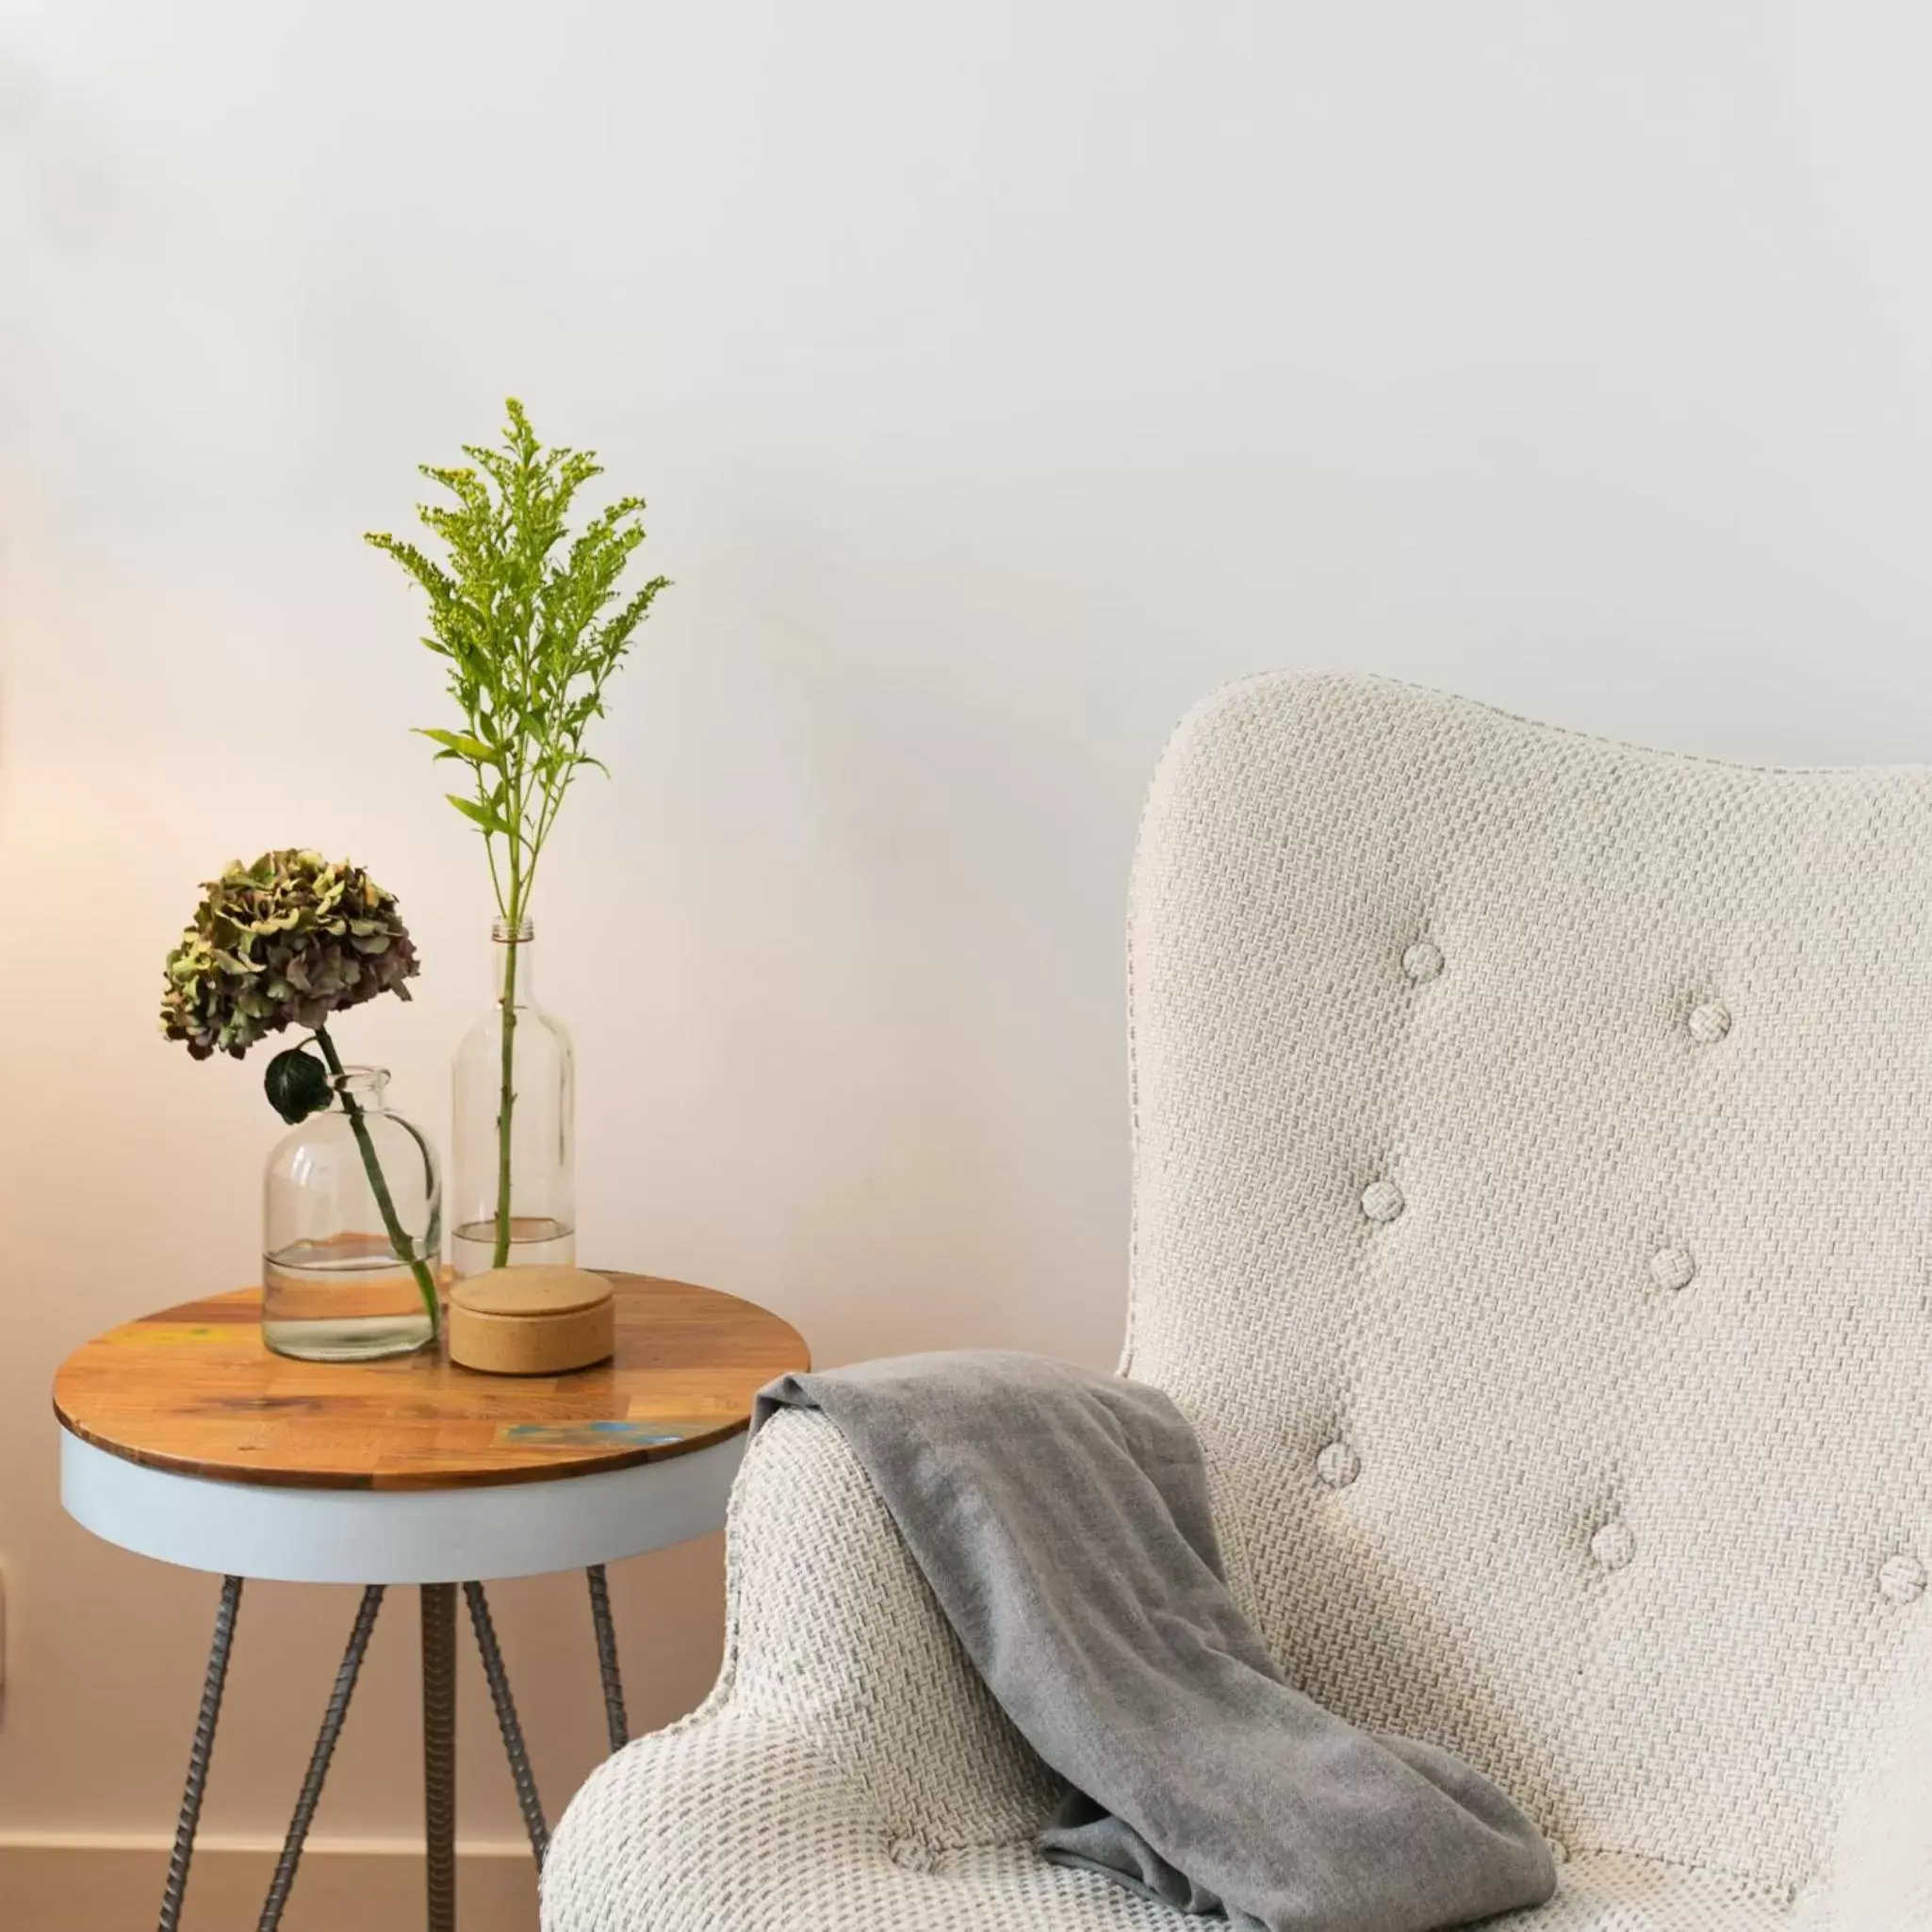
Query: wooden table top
194, 1390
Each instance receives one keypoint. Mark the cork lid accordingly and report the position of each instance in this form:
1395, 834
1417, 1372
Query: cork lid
531, 1291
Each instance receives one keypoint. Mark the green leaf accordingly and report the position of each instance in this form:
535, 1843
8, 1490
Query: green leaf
297, 1084
460, 743
477, 814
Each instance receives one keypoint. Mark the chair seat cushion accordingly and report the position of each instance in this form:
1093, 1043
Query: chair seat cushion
1610, 1893
768, 1839
1007, 1888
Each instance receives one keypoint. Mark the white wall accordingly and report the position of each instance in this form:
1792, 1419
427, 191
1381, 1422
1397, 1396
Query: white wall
1002, 377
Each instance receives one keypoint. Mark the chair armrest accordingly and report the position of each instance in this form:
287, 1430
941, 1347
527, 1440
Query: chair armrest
832, 1631
705, 1824
845, 1717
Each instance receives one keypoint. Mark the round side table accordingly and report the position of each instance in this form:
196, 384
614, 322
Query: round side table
184, 1439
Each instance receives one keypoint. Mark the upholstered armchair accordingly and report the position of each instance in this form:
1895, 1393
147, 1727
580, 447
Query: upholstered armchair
1530, 1213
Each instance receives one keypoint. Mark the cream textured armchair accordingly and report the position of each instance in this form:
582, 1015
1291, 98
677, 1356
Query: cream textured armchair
1532, 1192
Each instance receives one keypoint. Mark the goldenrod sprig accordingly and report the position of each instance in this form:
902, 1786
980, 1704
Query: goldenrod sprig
526, 625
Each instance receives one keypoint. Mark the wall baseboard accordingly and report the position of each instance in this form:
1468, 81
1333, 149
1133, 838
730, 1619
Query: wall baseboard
80, 1884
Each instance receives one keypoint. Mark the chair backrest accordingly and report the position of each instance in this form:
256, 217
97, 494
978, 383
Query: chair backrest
1533, 1155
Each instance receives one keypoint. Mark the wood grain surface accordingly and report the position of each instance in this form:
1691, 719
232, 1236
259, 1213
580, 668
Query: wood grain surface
193, 1389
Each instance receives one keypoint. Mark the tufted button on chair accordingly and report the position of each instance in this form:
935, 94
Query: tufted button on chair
1461, 1049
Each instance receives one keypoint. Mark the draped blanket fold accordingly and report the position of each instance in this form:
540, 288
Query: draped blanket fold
1061, 1518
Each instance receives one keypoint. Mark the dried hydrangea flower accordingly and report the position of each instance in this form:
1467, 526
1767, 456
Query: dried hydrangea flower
285, 941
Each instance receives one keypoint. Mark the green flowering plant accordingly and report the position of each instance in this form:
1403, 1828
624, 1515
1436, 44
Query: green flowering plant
292, 941
530, 622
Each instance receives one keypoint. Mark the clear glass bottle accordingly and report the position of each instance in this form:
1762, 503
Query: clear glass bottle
517, 1051
335, 1285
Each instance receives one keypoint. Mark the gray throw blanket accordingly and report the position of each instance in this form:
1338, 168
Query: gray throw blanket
1061, 1518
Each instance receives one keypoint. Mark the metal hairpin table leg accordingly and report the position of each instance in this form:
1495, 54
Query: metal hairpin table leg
310, 1796
440, 1753
615, 1722
199, 1753
506, 1721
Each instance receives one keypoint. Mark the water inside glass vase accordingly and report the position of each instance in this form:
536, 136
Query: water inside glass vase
344, 1299
534, 1239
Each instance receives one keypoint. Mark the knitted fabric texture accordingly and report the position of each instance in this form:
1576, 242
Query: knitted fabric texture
1592, 1446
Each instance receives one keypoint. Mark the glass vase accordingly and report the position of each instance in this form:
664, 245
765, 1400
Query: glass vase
514, 1194
346, 1253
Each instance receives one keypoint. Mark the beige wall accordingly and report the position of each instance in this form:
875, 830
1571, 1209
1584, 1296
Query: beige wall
1002, 378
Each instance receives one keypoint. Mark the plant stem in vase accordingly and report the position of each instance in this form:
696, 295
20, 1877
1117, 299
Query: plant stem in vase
516, 1051
404, 1248
506, 1110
